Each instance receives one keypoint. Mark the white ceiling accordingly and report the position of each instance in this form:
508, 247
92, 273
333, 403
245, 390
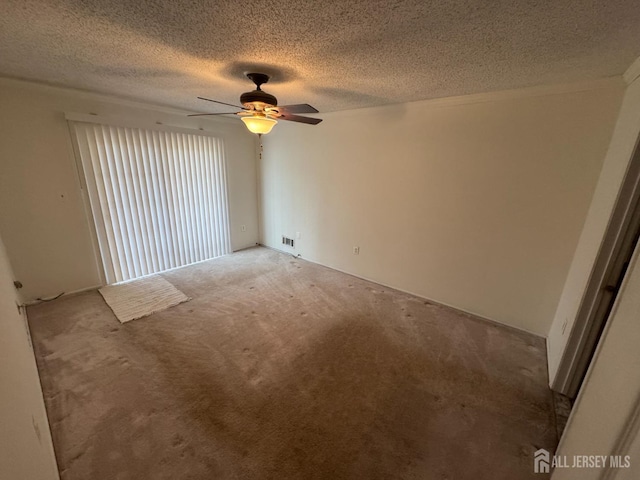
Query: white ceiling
334, 54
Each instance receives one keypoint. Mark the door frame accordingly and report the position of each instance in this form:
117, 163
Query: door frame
600, 293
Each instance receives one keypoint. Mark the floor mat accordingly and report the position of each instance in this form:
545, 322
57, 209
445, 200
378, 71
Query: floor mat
139, 298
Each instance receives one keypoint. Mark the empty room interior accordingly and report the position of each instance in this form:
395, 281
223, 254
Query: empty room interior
319, 240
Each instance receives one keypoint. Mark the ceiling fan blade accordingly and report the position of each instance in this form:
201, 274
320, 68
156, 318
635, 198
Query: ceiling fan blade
221, 103
204, 114
300, 119
299, 108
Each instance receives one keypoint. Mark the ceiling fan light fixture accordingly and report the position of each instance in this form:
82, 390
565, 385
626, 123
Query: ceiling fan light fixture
260, 109
259, 124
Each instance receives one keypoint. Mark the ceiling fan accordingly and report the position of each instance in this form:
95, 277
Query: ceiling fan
260, 110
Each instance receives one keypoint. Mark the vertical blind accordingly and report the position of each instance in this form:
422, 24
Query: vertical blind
158, 198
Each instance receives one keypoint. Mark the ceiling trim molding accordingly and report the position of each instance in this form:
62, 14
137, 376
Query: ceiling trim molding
99, 97
501, 95
633, 72
537, 91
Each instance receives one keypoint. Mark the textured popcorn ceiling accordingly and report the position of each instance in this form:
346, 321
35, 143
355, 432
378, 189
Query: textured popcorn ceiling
333, 54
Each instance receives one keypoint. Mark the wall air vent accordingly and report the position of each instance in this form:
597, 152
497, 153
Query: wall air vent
287, 241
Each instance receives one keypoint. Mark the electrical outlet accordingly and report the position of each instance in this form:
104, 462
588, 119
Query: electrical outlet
356, 250
564, 325
243, 228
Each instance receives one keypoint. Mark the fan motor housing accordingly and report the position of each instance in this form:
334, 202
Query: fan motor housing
258, 96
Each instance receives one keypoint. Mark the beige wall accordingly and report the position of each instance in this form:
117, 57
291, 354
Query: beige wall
610, 397
475, 202
615, 165
26, 451
42, 216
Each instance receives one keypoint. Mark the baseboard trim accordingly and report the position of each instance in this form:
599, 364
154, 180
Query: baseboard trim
431, 300
248, 247
30, 303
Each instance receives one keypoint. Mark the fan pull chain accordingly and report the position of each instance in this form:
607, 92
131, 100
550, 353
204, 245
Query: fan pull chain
260, 140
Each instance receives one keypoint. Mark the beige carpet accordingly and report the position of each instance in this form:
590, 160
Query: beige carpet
282, 369
140, 298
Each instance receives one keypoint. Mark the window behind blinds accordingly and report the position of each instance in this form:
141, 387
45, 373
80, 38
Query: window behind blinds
158, 198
